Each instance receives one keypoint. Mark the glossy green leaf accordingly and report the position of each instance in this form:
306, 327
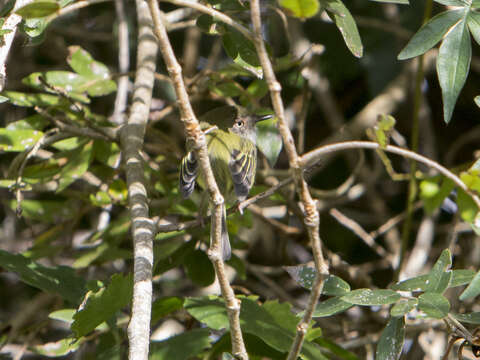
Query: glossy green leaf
242, 51
69, 144
473, 289
383, 127
417, 283
440, 275
199, 268
83, 63
305, 276
461, 277
35, 28
18, 140
347, 26
470, 318
207, 24
471, 178
165, 306
430, 33
466, 206
301, 8
434, 194
38, 9
107, 152
101, 305
31, 100
368, 297
65, 315
434, 305
181, 347
473, 21
269, 140
391, 341
77, 165
61, 280
402, 307
331, 307
453, 65
58, 348
34, 122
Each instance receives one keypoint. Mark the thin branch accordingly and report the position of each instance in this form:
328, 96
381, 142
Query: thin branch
214, 13
131, 138
73, 7
311, 216
121, 97
197, 137
318, 154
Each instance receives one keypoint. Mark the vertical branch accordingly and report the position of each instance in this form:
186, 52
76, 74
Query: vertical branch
123, 63
131, 139
194, 133
311, 216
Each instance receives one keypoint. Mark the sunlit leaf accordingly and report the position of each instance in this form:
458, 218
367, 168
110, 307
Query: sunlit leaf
473, 289
434, 305
38, 9
301, 8
242, 51
331, 307
440, 275
368, 297
402, 307
18, 140
453, 65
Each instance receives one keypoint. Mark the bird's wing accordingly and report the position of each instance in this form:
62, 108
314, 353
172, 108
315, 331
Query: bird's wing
188, 174
242, 168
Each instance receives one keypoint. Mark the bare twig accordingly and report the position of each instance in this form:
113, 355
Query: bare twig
197, 137
311, 216
131, 138
123, 64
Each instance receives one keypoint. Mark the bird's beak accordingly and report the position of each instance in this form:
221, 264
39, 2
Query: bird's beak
259, 118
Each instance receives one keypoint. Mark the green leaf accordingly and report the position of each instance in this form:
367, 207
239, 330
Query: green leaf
453, 64
65, 315
34, 122
402, 307
473, 21
199, 268
452, 2
242, 51
18, 140
207, 24
58, 348
77, 165
101, 305
47, 211
347, 26
432, 194
383, 127
440, 275
107, 153
430, 33
331, 307
391, 341
31, 100
83, 63
461, 277
269, 140
466, 206
471, 178
181, 347
38, 9
305, 276
473, 289
208, 310
61, 279
301, 8
367, 297
417, 283
434, 305
470, 318
164, 306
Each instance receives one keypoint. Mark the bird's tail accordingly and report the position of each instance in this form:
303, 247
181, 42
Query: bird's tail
225, 241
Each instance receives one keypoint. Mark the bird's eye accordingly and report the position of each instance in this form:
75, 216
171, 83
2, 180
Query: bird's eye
240, 123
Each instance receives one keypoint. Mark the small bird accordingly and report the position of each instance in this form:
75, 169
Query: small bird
231, 143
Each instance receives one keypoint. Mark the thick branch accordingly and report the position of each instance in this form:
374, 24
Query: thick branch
131, 138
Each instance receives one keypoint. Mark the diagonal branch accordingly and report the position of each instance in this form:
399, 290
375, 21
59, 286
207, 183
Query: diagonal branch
311, 216
194, 134
131, 138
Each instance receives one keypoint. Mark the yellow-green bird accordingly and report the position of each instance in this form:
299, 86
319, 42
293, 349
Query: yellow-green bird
231, 143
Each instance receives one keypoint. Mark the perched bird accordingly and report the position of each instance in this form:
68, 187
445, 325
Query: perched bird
231, 143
